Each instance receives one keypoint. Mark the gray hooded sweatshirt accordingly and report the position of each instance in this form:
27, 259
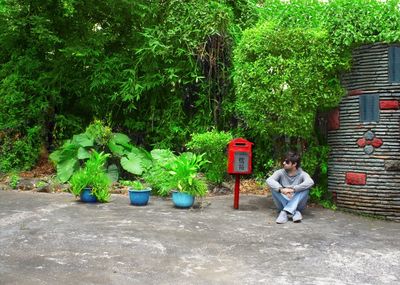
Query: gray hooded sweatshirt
299, 182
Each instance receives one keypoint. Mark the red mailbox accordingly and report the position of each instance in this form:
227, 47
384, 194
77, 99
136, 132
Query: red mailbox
239, 162
239, 156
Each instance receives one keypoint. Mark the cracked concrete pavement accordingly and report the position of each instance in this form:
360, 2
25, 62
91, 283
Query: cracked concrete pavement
52, 239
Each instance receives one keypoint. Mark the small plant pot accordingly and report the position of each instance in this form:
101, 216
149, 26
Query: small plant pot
139, 197
182, 200
87, 196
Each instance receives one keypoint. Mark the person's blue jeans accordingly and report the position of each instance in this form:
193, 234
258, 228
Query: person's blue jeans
297, 203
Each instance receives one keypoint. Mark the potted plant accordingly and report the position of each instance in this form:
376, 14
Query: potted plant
184, 180
139, 195
186, 191
91, 183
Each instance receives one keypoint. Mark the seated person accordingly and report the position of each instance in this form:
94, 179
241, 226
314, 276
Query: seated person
290, 187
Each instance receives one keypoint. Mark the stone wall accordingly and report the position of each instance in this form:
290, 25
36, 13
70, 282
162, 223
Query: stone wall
364, 163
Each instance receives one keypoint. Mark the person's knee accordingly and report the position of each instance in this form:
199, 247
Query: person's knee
277, 201
303, 201
302, 195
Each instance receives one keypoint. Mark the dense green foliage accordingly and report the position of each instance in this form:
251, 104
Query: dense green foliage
315, 162
161, 70
287, 67
287, 70
213, 144
19, 150
283, 76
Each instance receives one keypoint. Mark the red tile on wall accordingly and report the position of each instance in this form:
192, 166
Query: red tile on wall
356, 178
388, 104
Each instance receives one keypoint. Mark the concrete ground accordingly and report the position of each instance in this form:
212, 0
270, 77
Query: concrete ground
52, 239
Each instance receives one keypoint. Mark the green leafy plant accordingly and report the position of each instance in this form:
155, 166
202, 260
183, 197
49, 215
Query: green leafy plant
65, 126
19, 150
322, 196
183, 174
195, 186
271, 166
100, 133
40, 184
213, 144
125, 182
93, 175
283, 76
315, 160
74, 152
316, 193
136, 161
170, 172
157, 176
135, 185
14, 180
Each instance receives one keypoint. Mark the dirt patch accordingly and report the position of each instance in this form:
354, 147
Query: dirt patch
43, 168
247, 186
252, 186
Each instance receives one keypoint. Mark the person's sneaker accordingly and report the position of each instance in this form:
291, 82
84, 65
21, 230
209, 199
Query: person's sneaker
297, 217
282, 218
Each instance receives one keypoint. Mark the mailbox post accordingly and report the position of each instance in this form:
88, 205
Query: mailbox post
239, 163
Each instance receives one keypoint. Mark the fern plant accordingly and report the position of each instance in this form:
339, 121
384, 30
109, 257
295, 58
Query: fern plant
93, 175
183, 174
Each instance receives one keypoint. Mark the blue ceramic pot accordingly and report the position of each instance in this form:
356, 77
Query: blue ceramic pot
182, 200
87, 196
139, 197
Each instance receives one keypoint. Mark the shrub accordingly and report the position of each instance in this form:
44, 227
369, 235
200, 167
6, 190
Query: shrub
321, 195
14, 180
283, 76
213, 144
315, 160
18, 151
65, 126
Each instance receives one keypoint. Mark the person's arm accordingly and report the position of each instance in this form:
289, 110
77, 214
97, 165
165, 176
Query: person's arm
273, 181
306, 184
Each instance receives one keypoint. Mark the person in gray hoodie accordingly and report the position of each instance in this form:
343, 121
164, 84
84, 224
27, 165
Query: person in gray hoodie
290, 187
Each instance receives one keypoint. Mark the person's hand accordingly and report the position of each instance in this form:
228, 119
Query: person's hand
289, 195
288, 192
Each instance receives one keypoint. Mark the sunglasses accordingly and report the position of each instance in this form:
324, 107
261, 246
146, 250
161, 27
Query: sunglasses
287, 161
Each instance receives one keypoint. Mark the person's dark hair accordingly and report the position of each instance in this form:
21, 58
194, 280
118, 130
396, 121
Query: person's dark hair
293, 157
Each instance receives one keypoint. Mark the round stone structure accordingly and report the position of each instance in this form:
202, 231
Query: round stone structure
364, 134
